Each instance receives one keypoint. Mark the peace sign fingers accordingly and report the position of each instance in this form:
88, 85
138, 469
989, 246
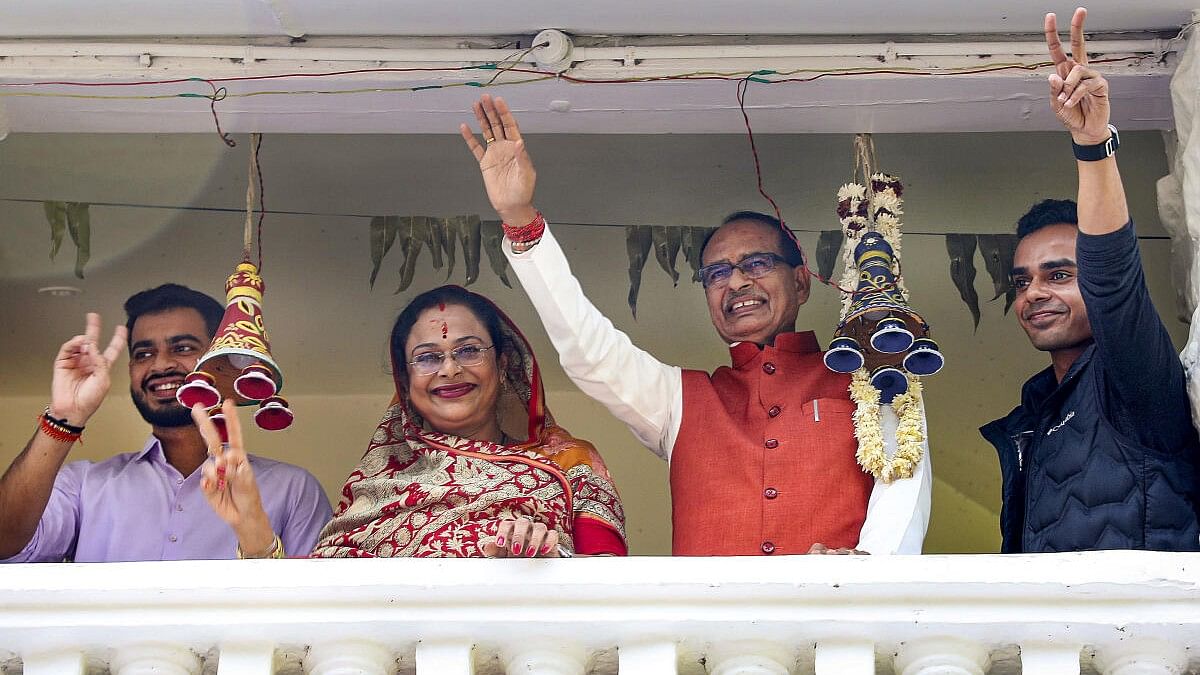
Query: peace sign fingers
1078, 52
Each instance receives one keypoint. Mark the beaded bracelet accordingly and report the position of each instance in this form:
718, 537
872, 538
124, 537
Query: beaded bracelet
58, 429
529, 233
275, 552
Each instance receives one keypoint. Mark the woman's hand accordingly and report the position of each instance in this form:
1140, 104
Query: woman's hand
508, 172
522, 537
227, 481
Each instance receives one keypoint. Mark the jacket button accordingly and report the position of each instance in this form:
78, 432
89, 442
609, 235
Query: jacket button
770, 493
774, 411
771, 443
769, 368
768, 547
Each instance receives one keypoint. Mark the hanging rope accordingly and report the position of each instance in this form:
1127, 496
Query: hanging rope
864, 168
251, 175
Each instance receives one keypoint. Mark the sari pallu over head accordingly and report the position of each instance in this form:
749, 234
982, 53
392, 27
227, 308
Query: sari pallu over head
418, 492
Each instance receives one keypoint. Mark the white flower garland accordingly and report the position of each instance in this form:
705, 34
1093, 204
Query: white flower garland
861, 208
910, 434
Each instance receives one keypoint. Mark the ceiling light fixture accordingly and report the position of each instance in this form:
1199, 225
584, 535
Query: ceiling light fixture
60, 291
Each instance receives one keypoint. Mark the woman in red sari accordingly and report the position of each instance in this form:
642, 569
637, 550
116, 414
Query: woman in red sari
467, 462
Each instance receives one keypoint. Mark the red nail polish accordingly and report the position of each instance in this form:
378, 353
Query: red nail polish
516, 549
545, 549
499, 541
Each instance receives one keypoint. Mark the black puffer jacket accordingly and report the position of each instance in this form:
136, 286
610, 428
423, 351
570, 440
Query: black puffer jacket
1107, 458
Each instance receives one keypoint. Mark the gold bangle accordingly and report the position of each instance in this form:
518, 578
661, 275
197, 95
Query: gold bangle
274, 552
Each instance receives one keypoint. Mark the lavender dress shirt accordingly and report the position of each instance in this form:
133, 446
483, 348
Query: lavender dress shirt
136, 506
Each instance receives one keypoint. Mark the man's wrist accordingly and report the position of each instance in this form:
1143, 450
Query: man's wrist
519, 216
1089, 148
74, 417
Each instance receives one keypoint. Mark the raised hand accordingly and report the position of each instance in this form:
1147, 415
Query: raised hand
227, 481
508, 172
81, 372
1078, 94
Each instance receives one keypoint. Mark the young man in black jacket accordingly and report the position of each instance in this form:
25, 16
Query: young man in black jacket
1101, 453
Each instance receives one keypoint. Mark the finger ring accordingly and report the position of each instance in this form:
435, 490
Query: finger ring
528, 517
490, 140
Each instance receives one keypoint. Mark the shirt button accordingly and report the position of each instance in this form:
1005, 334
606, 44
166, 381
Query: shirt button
768, 547
770, 493
771, 443
179, 507
179, 482
769, 368
774, 411
173, 538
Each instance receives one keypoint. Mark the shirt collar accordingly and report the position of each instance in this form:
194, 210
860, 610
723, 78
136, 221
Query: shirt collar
804, 342
152, 451
1041, 387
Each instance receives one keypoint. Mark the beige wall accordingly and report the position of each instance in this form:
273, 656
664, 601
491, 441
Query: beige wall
329, 329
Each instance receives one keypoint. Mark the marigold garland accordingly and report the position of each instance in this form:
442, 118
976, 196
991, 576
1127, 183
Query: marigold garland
910, 434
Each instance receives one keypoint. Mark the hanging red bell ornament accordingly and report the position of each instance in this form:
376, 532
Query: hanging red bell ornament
238, 363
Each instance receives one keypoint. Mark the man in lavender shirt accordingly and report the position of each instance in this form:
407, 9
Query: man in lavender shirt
144, 505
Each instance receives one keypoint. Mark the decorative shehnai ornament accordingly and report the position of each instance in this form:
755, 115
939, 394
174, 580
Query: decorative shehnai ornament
880, 340
239, 363
878, 330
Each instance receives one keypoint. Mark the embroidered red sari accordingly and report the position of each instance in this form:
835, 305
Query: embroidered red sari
417, 492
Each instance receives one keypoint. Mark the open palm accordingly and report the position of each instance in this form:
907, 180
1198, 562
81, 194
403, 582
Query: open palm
508, 173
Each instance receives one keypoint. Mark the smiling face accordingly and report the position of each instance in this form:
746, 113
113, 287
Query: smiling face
458, 400
753, 310
164, 348
1048, 305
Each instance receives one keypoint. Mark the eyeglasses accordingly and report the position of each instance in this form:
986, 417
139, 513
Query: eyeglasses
754, 266
428, 363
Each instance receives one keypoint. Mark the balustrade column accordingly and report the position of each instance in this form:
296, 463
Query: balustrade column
66, 662
445, 658
648, 658
551, 659
155, 659
942, 656
1141, 657
351, 657
751, 657
845, 657
256, 658
1045, 658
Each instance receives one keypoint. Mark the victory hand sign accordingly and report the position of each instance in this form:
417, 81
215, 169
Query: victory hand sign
1078, 94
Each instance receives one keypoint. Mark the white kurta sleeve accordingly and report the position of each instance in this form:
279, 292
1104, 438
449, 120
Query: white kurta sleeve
898, 513
638, 389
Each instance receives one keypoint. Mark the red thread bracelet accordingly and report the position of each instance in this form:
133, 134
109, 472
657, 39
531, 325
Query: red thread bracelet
523, 235
57, 432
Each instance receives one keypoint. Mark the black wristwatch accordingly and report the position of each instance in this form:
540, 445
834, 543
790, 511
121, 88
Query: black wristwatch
1099, 151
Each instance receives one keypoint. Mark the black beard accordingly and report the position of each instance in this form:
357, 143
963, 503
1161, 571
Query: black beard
174, 415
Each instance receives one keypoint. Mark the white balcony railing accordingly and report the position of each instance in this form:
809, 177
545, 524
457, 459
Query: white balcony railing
1119, 613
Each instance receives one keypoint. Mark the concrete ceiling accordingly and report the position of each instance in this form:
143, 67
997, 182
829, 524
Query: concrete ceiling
83, 42
128, 18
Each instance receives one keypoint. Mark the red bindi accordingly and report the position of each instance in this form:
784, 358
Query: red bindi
442, 306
